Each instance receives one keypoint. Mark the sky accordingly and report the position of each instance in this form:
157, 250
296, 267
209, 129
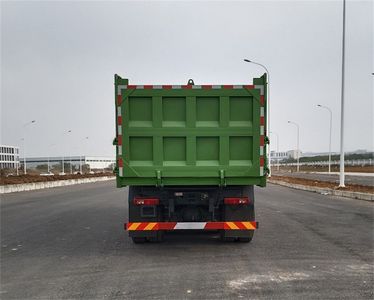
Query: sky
58, 60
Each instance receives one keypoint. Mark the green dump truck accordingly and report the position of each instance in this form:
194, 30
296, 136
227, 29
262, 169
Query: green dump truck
191, 155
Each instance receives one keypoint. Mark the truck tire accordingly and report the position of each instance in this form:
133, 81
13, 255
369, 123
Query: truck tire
224, 238
158, 238
246, 239
239, 239
138, 240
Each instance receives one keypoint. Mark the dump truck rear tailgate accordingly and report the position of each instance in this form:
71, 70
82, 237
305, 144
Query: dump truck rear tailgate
190, 134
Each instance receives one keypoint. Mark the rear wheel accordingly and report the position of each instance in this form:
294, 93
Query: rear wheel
138, 240
158, 238
242, 239
224, 238
245, 239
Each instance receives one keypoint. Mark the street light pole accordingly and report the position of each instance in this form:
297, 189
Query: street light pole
342, 175
63, 158
49, 168
267, 104
24, 147
272, 132
80, 158
17, 160
325, 107
297, 150
24, 156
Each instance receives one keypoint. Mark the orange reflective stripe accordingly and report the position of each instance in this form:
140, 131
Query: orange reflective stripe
133, 226
232, 225
150, 226
248, 225
240, 225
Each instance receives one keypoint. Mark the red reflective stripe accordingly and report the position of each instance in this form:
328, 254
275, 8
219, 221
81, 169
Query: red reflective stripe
120, 162
119, 140
228, 86
167, 87
262, 120
262, 161
148, 87
142, 226
188, 86
214, 225
254, 224
240, 225
166, 225
249, 86
119, 100
262, 140
206, 87
131, 86
119, 120
262, 100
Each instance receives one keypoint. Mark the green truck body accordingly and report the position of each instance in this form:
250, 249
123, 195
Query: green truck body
190, 134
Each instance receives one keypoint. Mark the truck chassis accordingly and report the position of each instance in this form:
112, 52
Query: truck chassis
155, 210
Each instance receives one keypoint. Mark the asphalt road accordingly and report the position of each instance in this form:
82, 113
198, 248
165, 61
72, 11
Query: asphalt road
68, 243
349, 179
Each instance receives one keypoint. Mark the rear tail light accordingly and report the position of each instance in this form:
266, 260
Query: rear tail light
146, 201
236, 201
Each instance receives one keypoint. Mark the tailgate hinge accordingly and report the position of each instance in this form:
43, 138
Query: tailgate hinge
159, 178
222, 178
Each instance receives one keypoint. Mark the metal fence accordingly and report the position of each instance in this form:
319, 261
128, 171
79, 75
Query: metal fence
355, 162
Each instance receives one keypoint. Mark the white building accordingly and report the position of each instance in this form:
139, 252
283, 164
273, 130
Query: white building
294, 154
9, 157
94, 162
279, 156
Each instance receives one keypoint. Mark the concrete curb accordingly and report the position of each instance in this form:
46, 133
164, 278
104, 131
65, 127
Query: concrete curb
326, 191
13, 188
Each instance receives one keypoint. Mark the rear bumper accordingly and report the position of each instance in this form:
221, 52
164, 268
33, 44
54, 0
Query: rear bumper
169, 226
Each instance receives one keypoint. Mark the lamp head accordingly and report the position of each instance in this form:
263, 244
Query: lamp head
247, 60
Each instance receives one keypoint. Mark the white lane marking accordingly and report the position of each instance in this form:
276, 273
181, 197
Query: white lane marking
279, 277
